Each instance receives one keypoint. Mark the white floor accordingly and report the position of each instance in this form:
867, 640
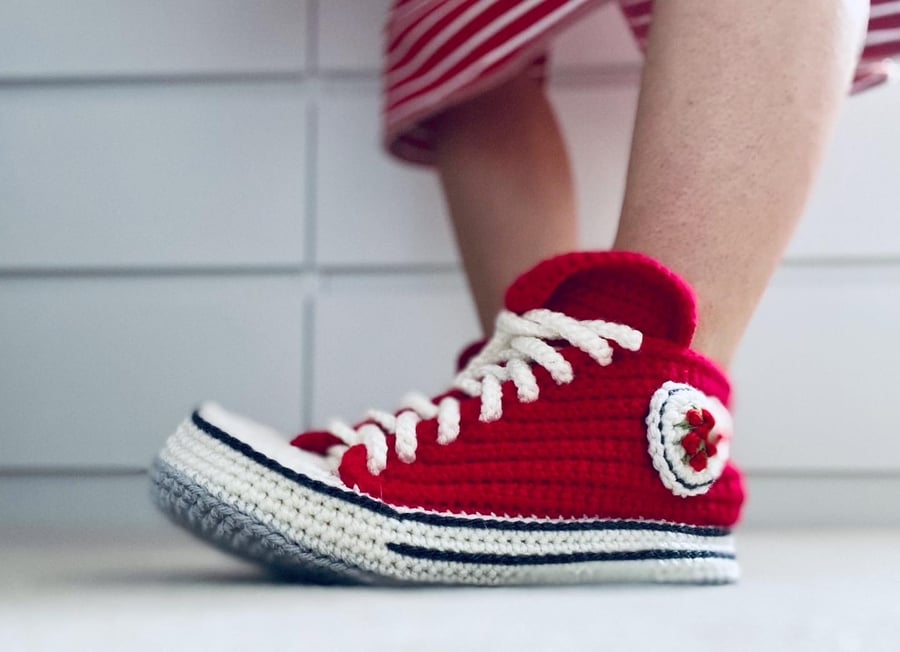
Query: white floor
802, 590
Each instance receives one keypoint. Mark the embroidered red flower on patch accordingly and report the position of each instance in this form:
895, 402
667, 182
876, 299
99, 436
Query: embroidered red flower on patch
700, 443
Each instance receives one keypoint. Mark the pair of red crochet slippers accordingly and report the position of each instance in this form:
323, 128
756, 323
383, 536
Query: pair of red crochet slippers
584, 442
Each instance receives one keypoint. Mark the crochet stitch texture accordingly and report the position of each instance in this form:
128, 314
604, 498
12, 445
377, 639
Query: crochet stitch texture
584, 442
580, 450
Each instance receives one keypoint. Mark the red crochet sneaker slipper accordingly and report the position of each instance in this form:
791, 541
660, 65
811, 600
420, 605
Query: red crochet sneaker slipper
585, 442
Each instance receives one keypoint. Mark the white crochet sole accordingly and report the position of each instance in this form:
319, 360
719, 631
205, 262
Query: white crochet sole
294, 515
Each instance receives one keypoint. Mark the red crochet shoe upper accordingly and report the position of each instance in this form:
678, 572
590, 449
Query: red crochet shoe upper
580, 448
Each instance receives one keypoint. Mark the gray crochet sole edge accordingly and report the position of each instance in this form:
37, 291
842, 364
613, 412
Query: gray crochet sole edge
306, 526
213, 520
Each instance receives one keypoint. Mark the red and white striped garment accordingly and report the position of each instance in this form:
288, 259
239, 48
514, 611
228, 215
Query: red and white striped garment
440, 52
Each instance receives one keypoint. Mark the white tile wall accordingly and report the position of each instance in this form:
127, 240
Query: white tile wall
377, 338
854, 212
98, 370
349, 35
597, 124
371, 210
193, 204
815, 374
600, 39
152, 175
61, 39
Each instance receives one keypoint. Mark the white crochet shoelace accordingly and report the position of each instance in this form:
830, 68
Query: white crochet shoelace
519, 341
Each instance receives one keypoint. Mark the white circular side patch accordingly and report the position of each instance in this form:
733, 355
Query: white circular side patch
688, 467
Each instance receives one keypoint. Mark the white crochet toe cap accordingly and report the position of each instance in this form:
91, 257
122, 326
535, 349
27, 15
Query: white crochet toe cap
268, 442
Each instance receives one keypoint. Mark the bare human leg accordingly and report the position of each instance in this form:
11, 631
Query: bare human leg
737, 102
507, 182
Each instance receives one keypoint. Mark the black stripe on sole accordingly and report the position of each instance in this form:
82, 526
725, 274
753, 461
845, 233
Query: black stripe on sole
418, 552
447, 520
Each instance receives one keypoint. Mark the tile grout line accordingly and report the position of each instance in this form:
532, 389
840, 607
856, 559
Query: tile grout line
366, 269
312, 265
312, 36
571, 77
310, 250
307, 370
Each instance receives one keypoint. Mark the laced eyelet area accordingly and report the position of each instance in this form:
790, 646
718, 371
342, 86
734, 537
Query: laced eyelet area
519, 343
